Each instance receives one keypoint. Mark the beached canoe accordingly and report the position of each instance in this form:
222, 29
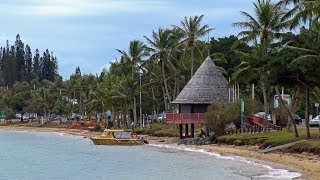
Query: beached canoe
118, 137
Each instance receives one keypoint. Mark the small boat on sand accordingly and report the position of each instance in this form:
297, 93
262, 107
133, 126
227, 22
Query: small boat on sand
118, 137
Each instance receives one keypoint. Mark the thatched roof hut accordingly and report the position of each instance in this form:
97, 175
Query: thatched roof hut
207, 85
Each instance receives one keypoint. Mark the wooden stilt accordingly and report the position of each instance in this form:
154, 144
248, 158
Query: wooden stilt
192, 130
187, 130
180, 130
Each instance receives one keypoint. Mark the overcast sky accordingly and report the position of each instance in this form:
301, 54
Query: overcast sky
86, 33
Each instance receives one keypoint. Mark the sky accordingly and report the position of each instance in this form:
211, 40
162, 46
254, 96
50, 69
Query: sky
86, 33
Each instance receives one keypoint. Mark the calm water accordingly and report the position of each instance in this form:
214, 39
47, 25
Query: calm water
27, 155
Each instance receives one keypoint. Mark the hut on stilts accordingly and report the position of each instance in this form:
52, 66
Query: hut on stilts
206, 86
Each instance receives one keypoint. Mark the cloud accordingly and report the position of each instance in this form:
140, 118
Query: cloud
62, 8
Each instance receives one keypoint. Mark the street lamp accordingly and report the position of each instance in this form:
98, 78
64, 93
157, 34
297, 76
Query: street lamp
140, 78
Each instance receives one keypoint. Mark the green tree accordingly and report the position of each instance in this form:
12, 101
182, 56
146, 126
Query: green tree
137, 51
28, 63
20, 54
36, 65
192, 31
162, 44
262, 30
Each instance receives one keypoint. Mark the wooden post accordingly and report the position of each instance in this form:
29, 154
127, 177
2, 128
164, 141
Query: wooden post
229, 91
180, 130
187, 129
192, 130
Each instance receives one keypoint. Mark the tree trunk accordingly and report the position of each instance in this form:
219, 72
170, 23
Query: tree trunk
191, 62
288, 112
307, 113
112, 114
175, 88
164, 99
165, 82
265, 105
134, 111
49, 114
153, 105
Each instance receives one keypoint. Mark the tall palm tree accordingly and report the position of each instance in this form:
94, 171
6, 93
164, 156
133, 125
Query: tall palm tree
305, 66
162, 43
137, 51
192, 31
302, 10
263, 29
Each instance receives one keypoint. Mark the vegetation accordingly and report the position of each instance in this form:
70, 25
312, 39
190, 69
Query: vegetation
272, 139
273, 49
160, 130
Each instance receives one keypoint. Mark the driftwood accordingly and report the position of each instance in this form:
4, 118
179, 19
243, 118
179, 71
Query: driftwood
266, 150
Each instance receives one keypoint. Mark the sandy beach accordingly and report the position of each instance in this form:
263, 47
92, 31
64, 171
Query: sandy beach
308, 165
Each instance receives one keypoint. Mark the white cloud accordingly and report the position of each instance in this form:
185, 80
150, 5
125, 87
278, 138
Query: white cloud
81, 7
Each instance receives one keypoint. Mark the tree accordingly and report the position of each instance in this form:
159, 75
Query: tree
137, 51
36, 65
20, 59
192, 31
263, 30
161, 44
28, 63
305, 67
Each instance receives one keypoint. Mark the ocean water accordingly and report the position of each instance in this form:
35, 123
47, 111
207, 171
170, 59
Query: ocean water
29, 155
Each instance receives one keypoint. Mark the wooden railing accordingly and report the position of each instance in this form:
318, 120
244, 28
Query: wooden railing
254, 125
185, 118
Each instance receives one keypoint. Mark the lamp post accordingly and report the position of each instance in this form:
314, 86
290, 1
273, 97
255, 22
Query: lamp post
140, 73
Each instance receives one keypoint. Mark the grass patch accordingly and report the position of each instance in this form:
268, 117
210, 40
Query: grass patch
277, 138
159, 129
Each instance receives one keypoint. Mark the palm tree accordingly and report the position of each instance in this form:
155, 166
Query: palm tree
137, 51
100, 100
192, 31
303, 66
162, 43
303, 10
263, 29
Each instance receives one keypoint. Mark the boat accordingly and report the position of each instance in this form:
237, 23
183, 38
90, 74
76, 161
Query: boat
118, 137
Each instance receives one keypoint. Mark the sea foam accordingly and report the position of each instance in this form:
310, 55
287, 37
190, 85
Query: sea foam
273, 173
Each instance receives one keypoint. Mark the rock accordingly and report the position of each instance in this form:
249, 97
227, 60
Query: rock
238, 143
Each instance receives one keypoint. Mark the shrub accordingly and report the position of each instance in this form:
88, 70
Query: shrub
97, 127
220, 115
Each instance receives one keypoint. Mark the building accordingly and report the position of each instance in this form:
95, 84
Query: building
207, 85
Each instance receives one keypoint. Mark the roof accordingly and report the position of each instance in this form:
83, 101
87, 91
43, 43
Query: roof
207, 85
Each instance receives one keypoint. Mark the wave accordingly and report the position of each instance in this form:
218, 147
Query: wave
273, 173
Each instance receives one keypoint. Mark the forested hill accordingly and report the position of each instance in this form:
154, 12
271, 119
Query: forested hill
18, 62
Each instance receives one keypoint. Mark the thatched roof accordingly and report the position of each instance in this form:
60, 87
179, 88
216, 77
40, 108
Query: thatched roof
207, 85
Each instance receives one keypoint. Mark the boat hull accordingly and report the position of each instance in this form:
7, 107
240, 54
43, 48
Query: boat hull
109, 141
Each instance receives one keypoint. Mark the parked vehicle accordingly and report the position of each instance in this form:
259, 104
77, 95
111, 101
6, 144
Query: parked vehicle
315, 121
261, 114
26, 116
161, 117
297, 119
55, 117
18, 116
74, 117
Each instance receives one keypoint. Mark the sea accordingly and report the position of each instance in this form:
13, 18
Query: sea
57, 156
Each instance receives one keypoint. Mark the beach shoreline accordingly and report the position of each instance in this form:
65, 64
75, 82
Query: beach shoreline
307, 165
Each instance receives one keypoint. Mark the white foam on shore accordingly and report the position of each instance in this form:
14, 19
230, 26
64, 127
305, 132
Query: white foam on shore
273, 173
59, 133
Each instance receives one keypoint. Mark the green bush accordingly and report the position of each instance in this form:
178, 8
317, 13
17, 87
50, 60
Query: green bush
97, 127
220, 115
